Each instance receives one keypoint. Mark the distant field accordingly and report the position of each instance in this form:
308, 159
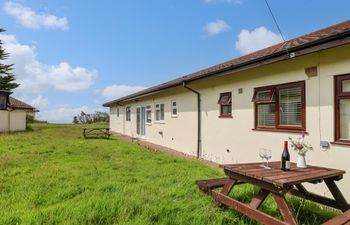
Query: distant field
51, 175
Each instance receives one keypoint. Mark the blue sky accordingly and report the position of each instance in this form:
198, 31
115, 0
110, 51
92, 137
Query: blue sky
75, 55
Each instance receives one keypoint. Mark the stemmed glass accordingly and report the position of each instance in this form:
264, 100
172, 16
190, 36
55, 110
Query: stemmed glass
268, 156
262, 156
265, 154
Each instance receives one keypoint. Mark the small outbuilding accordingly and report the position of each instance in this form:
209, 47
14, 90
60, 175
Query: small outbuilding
13, 112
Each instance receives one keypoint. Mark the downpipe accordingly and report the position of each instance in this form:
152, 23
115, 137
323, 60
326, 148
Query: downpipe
9, 110
199, 111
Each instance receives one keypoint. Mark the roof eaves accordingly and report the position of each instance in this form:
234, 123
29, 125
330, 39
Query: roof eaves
130, 97
282, 52
17, 104
276, 54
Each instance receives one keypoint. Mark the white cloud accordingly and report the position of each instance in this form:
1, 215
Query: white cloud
116, 91
223, 1
216, 27
64, 114
39, 102
33, 20
255, 40
36, 77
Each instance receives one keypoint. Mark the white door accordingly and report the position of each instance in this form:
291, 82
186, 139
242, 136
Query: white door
141, 121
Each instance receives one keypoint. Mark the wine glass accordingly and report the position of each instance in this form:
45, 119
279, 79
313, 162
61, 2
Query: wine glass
268, 156
262, 156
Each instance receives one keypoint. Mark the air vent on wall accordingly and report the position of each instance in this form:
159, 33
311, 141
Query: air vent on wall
311, 71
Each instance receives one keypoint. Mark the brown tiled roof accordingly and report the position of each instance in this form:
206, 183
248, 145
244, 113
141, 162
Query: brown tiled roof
313, 38
17, 104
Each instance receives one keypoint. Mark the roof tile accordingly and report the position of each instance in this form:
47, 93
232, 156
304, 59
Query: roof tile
17, 104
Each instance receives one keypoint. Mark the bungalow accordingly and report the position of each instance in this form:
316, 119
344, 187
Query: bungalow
13, 113
227, 112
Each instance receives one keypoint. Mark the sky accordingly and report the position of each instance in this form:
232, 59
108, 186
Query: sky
73, 56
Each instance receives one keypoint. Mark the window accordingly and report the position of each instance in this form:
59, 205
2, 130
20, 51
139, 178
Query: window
173, 109
280, 107
148, 114
264, 95
342, 108
225, 102
128, 113
159, 112
3, 101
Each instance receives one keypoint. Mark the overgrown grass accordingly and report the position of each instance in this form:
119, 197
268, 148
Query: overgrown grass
51, 175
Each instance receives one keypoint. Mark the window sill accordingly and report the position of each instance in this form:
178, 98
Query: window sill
280, 130
174, 116
340, 143
159, 122
226, 116
149, 124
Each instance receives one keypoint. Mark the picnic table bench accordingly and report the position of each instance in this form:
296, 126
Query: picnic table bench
96, 132
277, 183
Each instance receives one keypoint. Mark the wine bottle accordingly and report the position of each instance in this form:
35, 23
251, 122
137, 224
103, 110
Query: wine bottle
285, 163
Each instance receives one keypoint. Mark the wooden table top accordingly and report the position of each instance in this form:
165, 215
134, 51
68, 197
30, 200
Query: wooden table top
281, 178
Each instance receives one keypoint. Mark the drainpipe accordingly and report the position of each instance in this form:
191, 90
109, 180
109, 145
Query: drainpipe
9, 121
199, 111
9, 110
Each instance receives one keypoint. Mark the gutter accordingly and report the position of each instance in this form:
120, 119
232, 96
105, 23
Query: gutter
199, 127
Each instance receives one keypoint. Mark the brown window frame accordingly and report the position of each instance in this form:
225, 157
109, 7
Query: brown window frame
339, 95
274, 89
222, 115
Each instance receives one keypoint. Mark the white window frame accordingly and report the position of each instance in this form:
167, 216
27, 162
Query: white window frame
128, 118
172, 109
157, 108
148, 110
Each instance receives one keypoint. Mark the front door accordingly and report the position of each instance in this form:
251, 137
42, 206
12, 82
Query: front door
141, 121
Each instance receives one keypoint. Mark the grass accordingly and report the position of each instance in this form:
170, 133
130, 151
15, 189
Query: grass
51, 175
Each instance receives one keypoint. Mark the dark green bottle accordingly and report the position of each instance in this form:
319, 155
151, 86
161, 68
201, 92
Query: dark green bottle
285, 162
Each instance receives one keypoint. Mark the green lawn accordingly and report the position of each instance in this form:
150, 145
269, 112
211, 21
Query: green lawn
51, 175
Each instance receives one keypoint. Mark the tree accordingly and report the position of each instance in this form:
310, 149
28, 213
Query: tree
7, 78
75, 120
85, 118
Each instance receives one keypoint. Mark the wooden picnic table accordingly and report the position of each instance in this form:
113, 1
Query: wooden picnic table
96, 132
277, 183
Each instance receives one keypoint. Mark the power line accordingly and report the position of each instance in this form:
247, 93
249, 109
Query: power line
274, 19
276, 23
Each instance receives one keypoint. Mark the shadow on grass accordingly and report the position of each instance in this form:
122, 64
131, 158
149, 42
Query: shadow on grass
28, 129
306, 212
98, 138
